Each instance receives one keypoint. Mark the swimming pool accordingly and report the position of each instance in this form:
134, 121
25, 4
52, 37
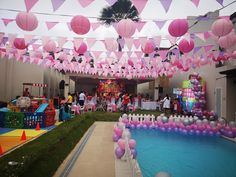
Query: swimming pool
184, 155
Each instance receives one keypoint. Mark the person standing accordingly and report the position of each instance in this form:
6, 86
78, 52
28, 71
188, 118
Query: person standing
125, 102
166, 103
81, 98
69, 99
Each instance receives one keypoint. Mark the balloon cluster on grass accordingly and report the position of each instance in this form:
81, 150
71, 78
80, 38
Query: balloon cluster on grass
121, 135
190, 125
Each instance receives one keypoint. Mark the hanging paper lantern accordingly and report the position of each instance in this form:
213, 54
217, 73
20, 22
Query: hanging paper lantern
19, 43
82, 49
126, 28
80, 24
186, 46
26, 21
50, 46
178, 27
149, 47
221, 27
227, 41
111, 45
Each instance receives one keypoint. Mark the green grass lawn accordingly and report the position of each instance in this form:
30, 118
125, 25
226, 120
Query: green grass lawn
42, 156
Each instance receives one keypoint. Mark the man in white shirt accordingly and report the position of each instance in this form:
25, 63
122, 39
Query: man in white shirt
81, 98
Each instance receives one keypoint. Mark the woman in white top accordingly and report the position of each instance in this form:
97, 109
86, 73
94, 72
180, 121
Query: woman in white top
166, 103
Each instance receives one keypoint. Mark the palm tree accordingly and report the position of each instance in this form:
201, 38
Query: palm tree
120, 10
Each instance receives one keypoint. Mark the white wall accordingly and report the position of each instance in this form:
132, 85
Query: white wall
145, 89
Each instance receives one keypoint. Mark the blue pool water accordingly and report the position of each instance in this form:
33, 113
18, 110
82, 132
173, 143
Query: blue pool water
184, 155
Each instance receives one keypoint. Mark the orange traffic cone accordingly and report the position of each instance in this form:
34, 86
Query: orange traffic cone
23, 136
37, 127
1, 150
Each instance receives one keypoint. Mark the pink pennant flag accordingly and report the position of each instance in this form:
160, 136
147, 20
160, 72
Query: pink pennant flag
143, 41
61, 41
90, 42
119, 55
11, 38
139, 4
95, 25
29, 4
221, 2
97, 54
45, 39
160, 23
157, 40
136, 43
85, 3
56, 4
35, 46
206, 35
6, 21
129, 42
28, 38
50, 25
208, 48
166, 4
139, 25
200, 36
195, 2
139, 54
163, 53
77, 42
111, 2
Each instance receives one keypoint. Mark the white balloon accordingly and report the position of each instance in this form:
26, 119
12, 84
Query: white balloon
231, 124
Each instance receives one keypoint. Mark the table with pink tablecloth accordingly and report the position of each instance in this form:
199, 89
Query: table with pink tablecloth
149, 105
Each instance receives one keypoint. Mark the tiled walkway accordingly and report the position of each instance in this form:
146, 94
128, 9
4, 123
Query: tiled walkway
97, 157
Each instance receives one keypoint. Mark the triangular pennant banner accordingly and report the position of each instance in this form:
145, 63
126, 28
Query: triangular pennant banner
206, 35
57, 3
139, 54
45, 39
85, 3
157, 40
6, 21
35, 46
50, 25
196, 49
160, 23
11, 38
143, 41
220, 2
195, 2
139, 4
118, 55
111, 2
163, 53
90, 42
61, 41
77, 42
1, 37
136, 43
97, 54
171, 39
139, 25
95, 25
129, 42
166, 4
29, 4
200, 36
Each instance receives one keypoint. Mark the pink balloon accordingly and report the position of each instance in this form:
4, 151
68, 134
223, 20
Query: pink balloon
132, 143
50, 46
121, 143
111, 45
26, 21
80, 24
178, 27
130, 62
126, 28
19, 43
149, 47
186, 46
221, 27
82, 48
227, 41
118, 131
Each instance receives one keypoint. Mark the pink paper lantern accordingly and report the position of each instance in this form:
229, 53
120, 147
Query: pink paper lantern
50, 46
26, 21
221, 27
227, 41
82, 49
178, 27
186, 46
80, 24
126, 28
149, 47
111, 45
19, 43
